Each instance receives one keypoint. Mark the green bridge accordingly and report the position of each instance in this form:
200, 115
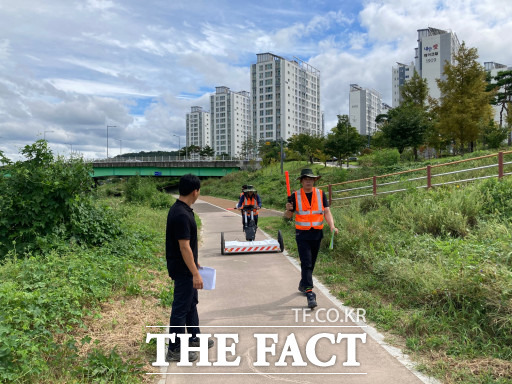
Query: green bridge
109, 167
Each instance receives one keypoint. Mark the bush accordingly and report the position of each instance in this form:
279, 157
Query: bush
380, 158
139, 190
386, 157
39, 196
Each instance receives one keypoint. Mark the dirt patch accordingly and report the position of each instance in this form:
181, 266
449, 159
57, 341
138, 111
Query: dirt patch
455, 368
121, 323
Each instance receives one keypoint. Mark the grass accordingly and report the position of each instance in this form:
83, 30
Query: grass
77, 314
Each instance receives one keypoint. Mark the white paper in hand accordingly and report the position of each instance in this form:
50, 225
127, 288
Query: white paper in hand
208, 275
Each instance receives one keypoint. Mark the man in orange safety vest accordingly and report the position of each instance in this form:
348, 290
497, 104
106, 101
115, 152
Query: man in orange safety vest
310, 206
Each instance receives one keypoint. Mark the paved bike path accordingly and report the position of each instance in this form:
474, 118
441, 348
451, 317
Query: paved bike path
257, 294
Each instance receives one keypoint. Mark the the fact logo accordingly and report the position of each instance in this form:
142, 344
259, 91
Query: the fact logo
266, 344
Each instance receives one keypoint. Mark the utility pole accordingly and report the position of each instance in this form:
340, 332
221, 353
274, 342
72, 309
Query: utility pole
179, 145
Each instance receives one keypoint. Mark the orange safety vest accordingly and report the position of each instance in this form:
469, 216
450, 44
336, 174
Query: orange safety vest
251, 201
309, 215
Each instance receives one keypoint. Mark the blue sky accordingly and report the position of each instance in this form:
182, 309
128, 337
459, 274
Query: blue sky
71, 68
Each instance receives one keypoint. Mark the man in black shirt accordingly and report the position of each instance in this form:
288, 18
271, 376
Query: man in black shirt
182, 265
310, 206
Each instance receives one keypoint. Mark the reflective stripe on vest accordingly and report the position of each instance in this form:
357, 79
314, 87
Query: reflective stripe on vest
251, 201
309, 215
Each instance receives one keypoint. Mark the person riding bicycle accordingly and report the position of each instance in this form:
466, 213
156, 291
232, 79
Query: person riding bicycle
249, 197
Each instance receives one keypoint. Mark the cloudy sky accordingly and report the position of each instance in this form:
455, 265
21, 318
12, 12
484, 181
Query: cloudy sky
70, 68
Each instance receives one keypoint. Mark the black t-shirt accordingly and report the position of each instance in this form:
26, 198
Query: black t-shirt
180, 226
310, 234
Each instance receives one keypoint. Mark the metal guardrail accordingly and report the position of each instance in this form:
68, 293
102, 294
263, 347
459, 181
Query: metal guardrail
377, 188
157, 158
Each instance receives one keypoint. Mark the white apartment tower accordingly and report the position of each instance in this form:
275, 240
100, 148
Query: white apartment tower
285, 98
198, 129
231, 120
365, 106
435, 48
401, 74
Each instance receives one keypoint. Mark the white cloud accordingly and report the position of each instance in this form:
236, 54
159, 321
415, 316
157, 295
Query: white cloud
74, 67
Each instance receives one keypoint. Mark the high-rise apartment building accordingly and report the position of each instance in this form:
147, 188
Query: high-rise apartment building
435, 48
231, 120
365, 106
285, 98
401, 74
198, 129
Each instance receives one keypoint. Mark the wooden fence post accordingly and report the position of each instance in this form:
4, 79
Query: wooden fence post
429, 177
330, 194
374, 185
500, 165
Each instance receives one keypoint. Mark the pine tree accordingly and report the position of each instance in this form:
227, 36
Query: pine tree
464, 102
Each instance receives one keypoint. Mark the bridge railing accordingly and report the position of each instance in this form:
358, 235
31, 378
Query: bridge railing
159, 159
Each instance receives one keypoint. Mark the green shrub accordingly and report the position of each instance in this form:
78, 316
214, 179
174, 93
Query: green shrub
498, 197
111, 368
39, 196
380, 158
143, 190
386, 157
92, 223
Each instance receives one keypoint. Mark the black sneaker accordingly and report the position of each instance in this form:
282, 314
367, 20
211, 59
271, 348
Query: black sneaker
311, 296
195, 342
302, 289
176, 356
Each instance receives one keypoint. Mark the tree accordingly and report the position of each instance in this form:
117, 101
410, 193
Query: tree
464, 102
344, 139
502, 86
405, 127
415, 91
207, 151
249, 148
494, 135
269, 151
306, 145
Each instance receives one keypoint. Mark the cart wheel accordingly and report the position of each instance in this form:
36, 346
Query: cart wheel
222, 243
280, 240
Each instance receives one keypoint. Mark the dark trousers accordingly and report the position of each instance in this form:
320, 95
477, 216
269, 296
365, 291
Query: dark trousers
255, 217
308, 252
184, 317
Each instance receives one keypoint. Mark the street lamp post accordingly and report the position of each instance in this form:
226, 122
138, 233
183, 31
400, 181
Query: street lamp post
120, 145
179, 146
109, 126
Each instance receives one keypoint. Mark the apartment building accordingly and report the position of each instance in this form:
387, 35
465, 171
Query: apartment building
435, 48
365, 106
401, 74
198, 128
285, 98
230, 120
